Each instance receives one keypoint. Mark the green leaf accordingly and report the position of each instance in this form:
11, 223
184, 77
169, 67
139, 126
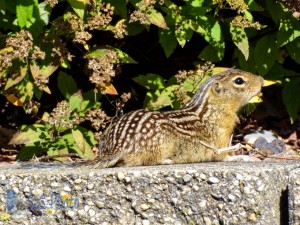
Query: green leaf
150, 81
79, 7
247, 65
165, 98
135, 29
29, 87
278, 72
16, 77
289, 30
196, 7
275, 10
190, 83
57, 148
183, 35
77, 142
240, 39
28, 151
99, 53
91, 100
125, 58
88, 135
24, 11
157, 19
209, 53
85, 149
195, 3
210, 29
265, 54
44, 12
167, 41
293, 49
66, 84
75, 102
253, 6
291, 100
30, 134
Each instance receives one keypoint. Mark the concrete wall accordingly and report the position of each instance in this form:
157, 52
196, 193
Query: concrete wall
206, 193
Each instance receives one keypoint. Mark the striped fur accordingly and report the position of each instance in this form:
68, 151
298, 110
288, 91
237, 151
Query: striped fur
146, 137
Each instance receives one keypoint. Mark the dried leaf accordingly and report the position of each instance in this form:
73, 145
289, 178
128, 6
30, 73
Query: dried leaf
35, 70
44, 71
110, 89
14, 100
46, 89
30, 134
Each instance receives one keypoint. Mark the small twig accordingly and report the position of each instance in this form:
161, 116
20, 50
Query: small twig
235, 147
9, 150
44, 158
222, 150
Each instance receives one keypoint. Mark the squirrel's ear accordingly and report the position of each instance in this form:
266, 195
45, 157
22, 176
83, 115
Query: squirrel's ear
218, 88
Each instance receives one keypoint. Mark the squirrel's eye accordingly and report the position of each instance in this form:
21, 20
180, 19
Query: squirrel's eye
239, 81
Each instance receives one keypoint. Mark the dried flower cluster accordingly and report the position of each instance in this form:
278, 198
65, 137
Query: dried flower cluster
51, 3
82, 37
21, 43
59, 50
293, 6
195, 78
239, 5
41, 82
100, 16
120, 30
141, 15
60, 117
19, 47
103, 69
123, 99
98, 119
240, 21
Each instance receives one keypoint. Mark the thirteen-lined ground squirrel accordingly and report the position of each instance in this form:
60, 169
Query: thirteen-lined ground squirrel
146, 137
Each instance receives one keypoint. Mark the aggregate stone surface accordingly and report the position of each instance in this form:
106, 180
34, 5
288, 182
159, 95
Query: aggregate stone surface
204, 193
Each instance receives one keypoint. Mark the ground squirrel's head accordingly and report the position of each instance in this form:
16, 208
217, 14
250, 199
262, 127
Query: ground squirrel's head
233, 88
229, 90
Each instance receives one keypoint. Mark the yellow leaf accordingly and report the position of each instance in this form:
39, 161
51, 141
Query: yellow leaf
270, 82
2, 73
86, 47
217, 70
120, 23
110, 89
45, 117
14, 100
7, 49
255, 99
